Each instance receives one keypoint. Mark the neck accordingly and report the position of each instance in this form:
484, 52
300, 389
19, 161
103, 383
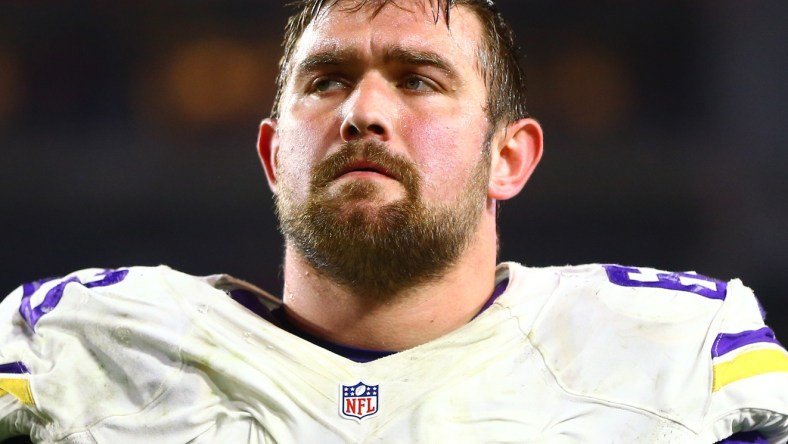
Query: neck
423, 313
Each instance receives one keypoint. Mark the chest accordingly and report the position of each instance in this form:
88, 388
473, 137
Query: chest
492, 389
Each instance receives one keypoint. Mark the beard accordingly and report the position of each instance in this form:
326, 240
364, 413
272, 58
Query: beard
373, 250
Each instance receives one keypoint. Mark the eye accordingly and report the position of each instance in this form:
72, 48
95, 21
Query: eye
416, 83
326, 84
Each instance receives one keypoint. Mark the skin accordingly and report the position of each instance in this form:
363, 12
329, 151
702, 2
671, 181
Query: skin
414, 85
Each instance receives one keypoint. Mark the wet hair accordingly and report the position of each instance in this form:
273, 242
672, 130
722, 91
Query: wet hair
498, 57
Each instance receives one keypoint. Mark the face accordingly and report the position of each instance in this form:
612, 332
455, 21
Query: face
382, 155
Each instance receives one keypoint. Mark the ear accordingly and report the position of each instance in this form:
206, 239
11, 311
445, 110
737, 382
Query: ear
514, 158
267, 149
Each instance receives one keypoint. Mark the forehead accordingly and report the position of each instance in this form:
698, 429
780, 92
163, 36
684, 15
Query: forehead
410, 24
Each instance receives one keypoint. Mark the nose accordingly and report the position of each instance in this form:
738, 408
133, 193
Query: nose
368, 111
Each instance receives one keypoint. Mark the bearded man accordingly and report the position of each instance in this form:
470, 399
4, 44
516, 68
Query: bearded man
397, 128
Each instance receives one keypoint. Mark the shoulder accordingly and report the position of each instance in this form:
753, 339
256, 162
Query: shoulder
648, 295
681, 345
119, 335
96, 290
585, 296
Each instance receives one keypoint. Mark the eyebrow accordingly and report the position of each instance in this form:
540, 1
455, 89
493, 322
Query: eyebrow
395, 54
323, 59
414, 57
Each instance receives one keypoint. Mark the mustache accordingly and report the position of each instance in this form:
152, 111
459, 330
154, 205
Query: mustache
328, 169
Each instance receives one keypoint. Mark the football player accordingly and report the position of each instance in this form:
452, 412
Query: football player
397, 128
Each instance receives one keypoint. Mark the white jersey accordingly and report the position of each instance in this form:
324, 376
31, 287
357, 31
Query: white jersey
587, 354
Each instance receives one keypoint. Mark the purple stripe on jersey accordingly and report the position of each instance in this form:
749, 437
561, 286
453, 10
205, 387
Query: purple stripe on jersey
499, 289
29, 288
361, 355
14, 367
278, 317
727, 342
52, 298
252, 303
355, 354
33, 314
745, 438
651, 278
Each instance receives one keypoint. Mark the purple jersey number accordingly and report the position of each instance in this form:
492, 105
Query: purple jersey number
32, 314
648, 277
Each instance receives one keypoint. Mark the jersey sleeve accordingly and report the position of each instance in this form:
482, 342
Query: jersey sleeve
749, 370
17, 406
79, 349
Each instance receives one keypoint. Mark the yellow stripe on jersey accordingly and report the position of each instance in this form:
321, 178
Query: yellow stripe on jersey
749, 364
18, 387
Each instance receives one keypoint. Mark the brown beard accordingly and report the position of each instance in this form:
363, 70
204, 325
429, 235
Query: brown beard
379, 251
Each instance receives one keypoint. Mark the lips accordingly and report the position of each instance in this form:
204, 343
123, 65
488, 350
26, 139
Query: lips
364, 158
366, 166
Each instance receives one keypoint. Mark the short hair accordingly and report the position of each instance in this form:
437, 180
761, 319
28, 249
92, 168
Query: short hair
498, 59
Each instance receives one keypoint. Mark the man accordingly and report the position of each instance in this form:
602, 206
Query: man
396, 130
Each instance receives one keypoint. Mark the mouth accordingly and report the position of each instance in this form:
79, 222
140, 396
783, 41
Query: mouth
365, 167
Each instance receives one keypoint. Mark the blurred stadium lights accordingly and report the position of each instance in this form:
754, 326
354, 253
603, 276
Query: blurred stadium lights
590, 89
209, 82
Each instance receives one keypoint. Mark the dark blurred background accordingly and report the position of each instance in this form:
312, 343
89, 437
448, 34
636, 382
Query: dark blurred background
128, 128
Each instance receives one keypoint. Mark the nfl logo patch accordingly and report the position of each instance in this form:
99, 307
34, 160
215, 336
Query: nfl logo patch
359, 401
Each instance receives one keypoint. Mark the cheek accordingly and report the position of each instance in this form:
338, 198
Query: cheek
447, 151
306, 133
297, 153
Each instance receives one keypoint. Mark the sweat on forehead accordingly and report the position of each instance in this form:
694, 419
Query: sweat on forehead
411, 19
498, 55
437, 8
433, 12
315, 12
